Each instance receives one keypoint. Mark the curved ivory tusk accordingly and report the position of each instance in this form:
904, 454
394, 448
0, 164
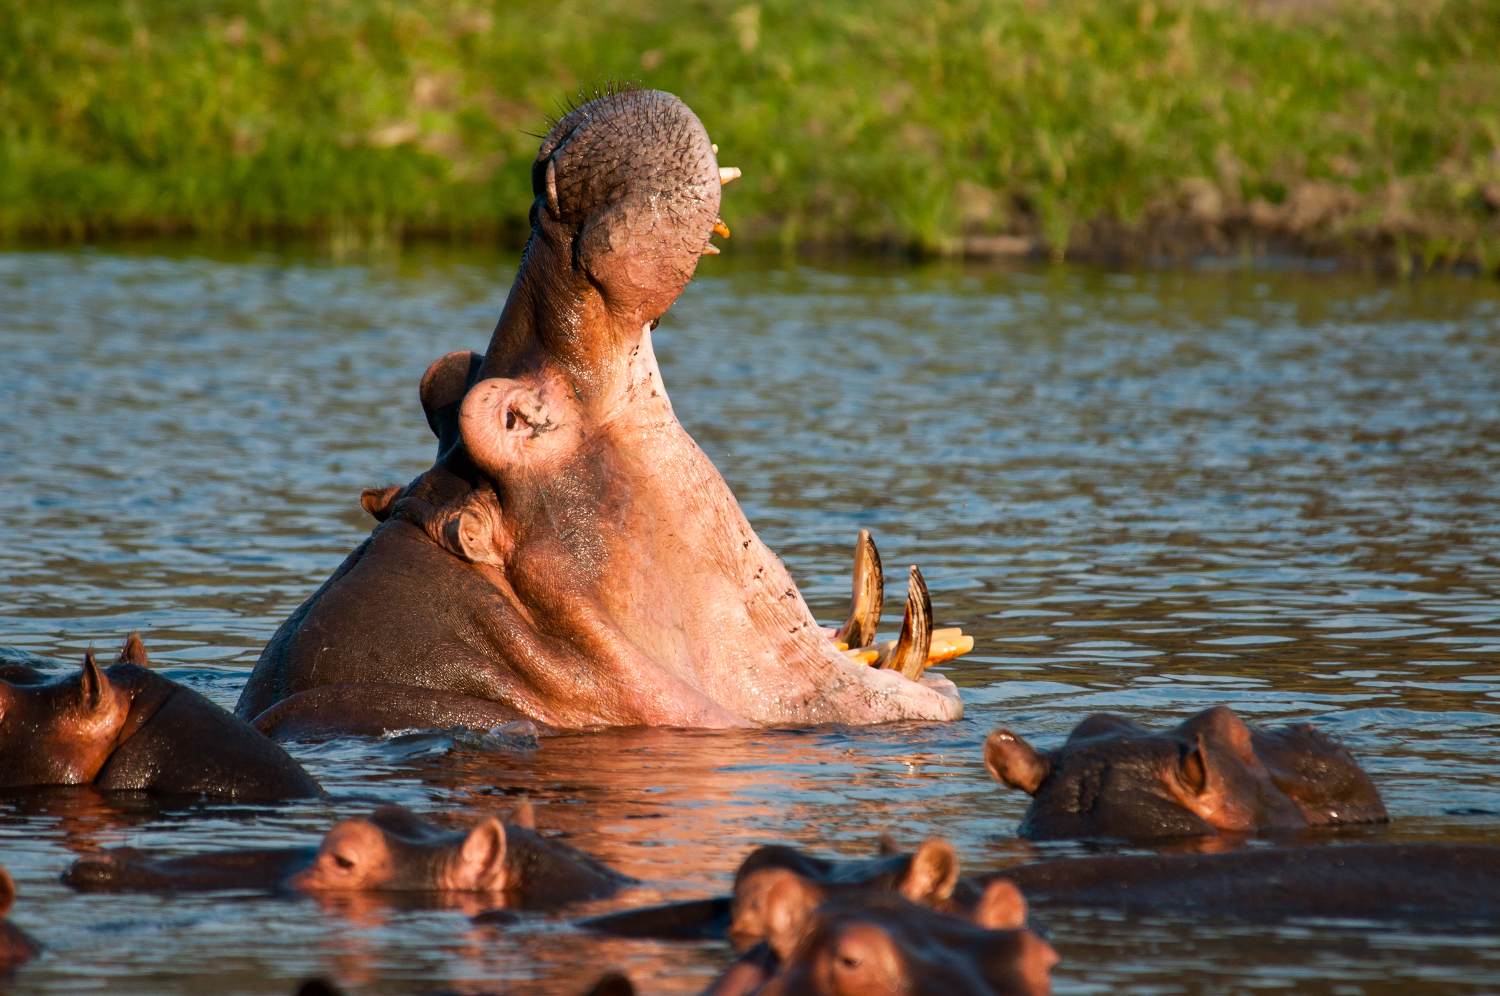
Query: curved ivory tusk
869, 593
727, 173
720, 228
910, 655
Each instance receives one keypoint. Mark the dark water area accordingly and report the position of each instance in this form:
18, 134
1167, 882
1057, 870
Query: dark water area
1145, 493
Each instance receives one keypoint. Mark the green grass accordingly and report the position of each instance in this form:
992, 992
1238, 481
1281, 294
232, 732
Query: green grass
921, 123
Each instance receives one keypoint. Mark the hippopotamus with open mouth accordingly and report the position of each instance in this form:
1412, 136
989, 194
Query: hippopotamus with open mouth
573, 557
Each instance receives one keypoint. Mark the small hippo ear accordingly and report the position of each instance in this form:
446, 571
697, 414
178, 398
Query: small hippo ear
887, 846
92, 684
481, 859
613, 984
788, 906
932, 874
380, 502
134, 651
523, 815
1002, 907
1014, 762
7, 892
473, 534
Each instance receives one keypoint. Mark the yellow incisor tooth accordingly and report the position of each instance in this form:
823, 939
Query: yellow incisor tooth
710, 250
727, 173
947, 649
720, 228
946, 645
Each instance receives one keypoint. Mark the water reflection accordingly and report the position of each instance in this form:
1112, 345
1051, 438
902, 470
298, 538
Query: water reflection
1146, 493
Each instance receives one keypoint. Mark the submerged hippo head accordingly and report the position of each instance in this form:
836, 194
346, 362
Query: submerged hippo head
776, 885
60, 732
394, 850
1212, 774
877, 943
573, 554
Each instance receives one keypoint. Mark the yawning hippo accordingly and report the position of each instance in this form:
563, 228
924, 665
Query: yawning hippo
573, 557
128, 727
1214, 773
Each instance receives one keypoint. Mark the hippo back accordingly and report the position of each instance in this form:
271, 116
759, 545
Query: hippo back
190, 746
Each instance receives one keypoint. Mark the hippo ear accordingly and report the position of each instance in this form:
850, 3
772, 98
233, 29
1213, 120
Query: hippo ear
380, 502
481, 859
788, 906
93, 683
1002, 907
470, 533
932, 874
887, 846
523, 815
7, 892
1014, 762
134, 651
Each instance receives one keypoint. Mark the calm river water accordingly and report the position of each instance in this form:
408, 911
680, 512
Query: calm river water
1145, 493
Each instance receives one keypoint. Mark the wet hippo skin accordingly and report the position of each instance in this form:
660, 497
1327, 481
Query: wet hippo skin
1426, 882
868, 943
573, 556
393, 850
16, 947
929, 876
127, 727
1213, 774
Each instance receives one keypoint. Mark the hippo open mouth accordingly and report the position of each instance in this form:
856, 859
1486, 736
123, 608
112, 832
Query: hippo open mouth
573, 557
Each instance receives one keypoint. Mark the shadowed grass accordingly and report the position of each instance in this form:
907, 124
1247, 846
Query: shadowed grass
1083, 123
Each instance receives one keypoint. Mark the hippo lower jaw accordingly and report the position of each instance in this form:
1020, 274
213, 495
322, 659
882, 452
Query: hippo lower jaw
613, 523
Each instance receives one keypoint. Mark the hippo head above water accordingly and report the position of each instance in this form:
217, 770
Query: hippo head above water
573, 554
1212, 774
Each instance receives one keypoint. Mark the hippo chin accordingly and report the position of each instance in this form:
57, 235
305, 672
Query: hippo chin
1214, 774
573, 557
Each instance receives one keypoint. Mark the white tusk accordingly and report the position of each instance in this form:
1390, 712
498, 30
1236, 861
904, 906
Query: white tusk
727, 173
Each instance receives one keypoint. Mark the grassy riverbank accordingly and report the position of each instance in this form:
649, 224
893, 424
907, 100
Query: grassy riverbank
1092, 126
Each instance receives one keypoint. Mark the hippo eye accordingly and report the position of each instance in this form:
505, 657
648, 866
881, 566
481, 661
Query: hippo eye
343, 862
848, 961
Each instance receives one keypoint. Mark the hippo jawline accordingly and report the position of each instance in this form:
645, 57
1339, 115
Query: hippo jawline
595, 568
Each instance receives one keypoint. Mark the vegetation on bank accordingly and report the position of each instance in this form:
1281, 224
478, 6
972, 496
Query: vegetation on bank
1093, 126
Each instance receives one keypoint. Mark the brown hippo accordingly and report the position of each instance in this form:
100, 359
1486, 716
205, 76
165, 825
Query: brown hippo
883, 943
127, 727
394, 850
573, 557
1212, 774
16, 947
929, 875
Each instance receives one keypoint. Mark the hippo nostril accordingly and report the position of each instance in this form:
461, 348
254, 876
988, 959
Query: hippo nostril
510, 420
